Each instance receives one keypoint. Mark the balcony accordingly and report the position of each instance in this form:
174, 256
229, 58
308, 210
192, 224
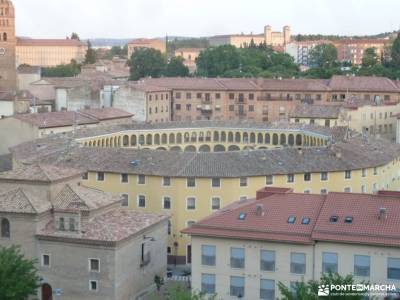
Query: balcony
240, 101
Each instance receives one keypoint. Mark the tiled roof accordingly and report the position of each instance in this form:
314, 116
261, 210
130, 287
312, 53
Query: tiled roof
316, 111
56, 119
107, 113
355, 153
362, 84
21, 200
143, 41
76, 197
367, 225
24, 69
113, 226
39, 172
49, 42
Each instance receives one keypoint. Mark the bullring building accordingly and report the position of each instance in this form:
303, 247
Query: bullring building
189, 170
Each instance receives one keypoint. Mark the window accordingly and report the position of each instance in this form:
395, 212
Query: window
297, 263
93, 285
208, 255
178, 95
141, 201
46, 260
362, 264
237, 286
348, 219
267, 260
324, 176
347, 174
85, 176
71, 224
188, 107
307, 177
237, 258
191, 182
188, 96
177, 106
100, 176
215, 203
267, 289
305, 221
217, 96
333, 219
190, 223
290, 178
198, 95
5, 228
94, 265
364, 172
208, 283
125, 200
347, 190
251, 96
324, 191
375, 171
243, 181
231, 108
216, 182
393, 268
329, 262
251, 107
269, 179
167, 203
231, 96
363, 189
141, 179
166, 181
169, 227
291, 219
124, 178
191, 203
62, 224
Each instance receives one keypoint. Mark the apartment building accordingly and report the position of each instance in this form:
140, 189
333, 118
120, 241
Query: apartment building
300, 50
245, 249
352, 50
320, 115
189, 55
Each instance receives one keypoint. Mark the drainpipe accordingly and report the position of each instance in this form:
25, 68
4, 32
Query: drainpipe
313, 260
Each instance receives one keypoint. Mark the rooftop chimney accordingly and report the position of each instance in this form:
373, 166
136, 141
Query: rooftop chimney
382, 213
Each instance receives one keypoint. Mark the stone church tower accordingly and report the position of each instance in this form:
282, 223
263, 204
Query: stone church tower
8, 41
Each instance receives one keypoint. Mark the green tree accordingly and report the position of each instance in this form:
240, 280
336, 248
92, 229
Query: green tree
90, 57
395, 52
146, 62
75, 36
323, 55
179, 292
370, 57
18, 275
214, 62
69, 70
176, 68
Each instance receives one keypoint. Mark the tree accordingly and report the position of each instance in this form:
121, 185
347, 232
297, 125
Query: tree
18, 275
159, 281
90, 57
395, 52
176, 68
69, 70
323, 55
309, 290
213, 62
75, 36
179, 292
370, 58
146, 62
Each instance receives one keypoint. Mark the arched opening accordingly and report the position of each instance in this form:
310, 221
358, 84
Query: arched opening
252, 138
161, 148
275, 139
149, 139
204, 148
4, 37
125, 141
179, 138
208, 136
133, 140
283, 139
201, 136
219, 148
237, 137
172, 138
194, 137
164, 138
5, 228
233, 148
156, 139
260, 139
190, 148
216, 136
230, 137
263, 148
248, 148
107, 142
176, 148
267, 138
186, 137
47, 292
223, 136
291, 140
245, 137
141, 140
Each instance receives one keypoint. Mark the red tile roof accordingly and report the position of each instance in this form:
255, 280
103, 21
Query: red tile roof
107, 113
368, 226
49, 42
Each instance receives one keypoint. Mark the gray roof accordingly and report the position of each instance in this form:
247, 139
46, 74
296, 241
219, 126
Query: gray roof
316, 111
21, 201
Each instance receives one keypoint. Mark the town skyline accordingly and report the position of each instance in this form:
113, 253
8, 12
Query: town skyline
175, 18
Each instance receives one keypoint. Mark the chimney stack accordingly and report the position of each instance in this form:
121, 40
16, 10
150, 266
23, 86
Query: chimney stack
382, 213
259, 209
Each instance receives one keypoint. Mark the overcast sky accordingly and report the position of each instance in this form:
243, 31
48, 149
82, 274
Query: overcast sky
154, 18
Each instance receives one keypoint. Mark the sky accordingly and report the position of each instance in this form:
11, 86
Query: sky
156, 18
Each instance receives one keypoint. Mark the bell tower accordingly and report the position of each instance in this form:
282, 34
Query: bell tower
8, 43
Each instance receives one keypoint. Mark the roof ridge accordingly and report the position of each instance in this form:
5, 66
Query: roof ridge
43, 170
20, 190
